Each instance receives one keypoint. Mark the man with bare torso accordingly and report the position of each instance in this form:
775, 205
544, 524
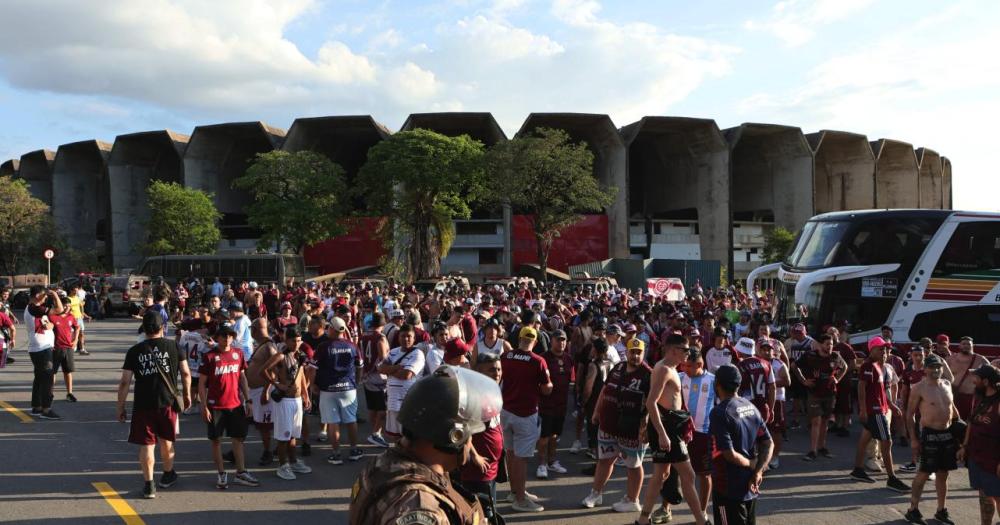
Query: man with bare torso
961, 364
668, 424
287, 390
263, 350
932, 398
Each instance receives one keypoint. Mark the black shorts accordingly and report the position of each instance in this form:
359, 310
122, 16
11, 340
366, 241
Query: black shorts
678, 452
231, 422
62, 358
552, 425
937, 450
376, 400
878, 426
733, 512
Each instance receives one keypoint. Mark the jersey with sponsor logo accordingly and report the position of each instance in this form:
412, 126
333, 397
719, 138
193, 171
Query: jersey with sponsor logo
699, 398
337, 363
523, 373
411, 359
220, 371
63, 325
873, 377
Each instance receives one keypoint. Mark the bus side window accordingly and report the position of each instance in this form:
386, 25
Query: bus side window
974, 247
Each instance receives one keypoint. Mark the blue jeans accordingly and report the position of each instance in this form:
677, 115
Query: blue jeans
41, 385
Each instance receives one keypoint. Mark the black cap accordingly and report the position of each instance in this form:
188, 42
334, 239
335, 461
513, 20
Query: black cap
559, 334
152, 322
728, 377
988, 372
224, 329
933, 360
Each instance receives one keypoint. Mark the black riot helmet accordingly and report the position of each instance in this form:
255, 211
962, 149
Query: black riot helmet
449, 406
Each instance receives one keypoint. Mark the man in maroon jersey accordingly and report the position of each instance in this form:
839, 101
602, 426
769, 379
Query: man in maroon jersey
757, 378
222, 381
374, 349
819, 371
67, 332
552, 409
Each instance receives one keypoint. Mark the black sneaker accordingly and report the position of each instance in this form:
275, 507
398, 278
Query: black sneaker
355, 454
811, 456
229, 457
897, 484
335, 459
909, 467
10, 359
49, 414
168, 479
859, 474
306, 449
35, 412
943, 517
82, 352
70, 397
266, 458
825, 453
914, 516
149, 490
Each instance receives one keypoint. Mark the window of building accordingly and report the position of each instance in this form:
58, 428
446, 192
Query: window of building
489, 256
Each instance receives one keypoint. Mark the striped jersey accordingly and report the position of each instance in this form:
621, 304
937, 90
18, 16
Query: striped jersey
699, 397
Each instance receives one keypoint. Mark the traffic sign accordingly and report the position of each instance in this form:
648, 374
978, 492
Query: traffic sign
49, 253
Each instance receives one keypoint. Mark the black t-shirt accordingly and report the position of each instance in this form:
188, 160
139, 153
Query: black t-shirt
150, 390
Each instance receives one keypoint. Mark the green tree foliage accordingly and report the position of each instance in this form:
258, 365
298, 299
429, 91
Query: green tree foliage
24, 224
181, 221
777, 244
547, 176
421, 181
300, 198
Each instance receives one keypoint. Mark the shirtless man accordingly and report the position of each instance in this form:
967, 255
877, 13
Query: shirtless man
933, 399
961, 364
666, 422
263, 350
284, 373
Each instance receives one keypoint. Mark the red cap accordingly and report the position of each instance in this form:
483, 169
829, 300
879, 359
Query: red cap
943, 339
455, 348
799, 327
876, 342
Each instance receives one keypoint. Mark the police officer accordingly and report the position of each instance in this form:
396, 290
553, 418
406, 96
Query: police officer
409, 483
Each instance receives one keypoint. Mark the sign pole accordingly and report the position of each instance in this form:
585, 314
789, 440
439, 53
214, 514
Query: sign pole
50, 271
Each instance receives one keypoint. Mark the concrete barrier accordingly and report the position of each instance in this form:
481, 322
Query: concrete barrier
136, 160
36, 168
10, 168
678, 167
219, 154
931, 184
946, 188
844, 171
480, 126
772, 174
896, 174
610, 164
80, 193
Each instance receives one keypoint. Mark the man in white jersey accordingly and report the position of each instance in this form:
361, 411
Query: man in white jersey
491, 343
194, 344
781, 381
402, 366
720, 353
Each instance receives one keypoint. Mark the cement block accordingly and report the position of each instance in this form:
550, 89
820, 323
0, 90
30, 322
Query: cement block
80, 193
680, 165
480, 126
896, 174
844, 171
946, 188
931, 183
136, 160
10, 168
36, 169
610, 164
772, 173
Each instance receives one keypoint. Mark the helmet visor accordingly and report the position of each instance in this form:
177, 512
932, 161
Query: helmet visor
479, 398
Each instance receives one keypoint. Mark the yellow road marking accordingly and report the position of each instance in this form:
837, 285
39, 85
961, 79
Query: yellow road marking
124, 510
25, 418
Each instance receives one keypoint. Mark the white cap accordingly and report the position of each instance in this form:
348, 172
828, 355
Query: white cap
338, 324
745, 346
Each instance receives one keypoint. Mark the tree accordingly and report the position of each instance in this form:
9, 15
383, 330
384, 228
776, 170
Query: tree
777, 244
548, 177
299, 198
181, 220
24, 222
420, 181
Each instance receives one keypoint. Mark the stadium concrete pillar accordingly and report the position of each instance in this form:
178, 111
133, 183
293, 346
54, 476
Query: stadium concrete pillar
844, 171
36, 169
946, 188
136, 160
219, 154
677, 166
480, 126
896, 175
610, 164
10, 168
931, 184
772, 174
80, 193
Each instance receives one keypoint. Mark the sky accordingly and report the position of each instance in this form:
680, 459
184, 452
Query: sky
924, 72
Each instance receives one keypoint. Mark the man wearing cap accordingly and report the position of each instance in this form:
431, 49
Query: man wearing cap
338, 372
614, 338
391, 330
979, 448
874, 413
491, 343
552, 407
942, 346
719, 354
374, 350
456, 353
67, 329
819, 371
743, 450
797, 345
933, 399
962, 363
758, 377
525, 380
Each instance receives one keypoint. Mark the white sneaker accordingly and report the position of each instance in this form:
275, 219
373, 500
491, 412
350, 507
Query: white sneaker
527, 506
557, 467
576, 447
285, 472
626, 505
323, 436
872, 466
593, 499
300, 467
542, 472
527, 495
932, 477
774, 464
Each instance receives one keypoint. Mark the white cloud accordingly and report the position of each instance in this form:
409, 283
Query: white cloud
795, 22
496, 40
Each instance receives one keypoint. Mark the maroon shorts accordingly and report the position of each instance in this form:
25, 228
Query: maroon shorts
777, 424
148, 424
963, 402
844, 400
700, 450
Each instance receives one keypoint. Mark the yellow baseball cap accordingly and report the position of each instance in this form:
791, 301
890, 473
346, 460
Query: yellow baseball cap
636, 343
528, 333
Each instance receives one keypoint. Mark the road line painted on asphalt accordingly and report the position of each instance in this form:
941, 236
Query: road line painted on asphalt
124, 510
25, 418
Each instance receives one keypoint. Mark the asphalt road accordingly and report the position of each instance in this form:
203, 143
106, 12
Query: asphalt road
48, 469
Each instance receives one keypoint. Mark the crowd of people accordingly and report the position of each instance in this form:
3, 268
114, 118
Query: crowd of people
707, 388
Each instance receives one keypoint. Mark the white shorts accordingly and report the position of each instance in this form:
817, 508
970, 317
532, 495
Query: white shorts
83, 328
520, 434
261, 412
338, 407
287, 417
392, 426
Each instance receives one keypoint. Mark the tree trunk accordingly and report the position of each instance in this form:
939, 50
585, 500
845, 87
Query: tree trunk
542, 247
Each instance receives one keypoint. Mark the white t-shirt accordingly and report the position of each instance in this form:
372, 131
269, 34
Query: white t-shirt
495, 350
39, 337
397, 388
776, 366
194, 346
716, 357
433, 359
